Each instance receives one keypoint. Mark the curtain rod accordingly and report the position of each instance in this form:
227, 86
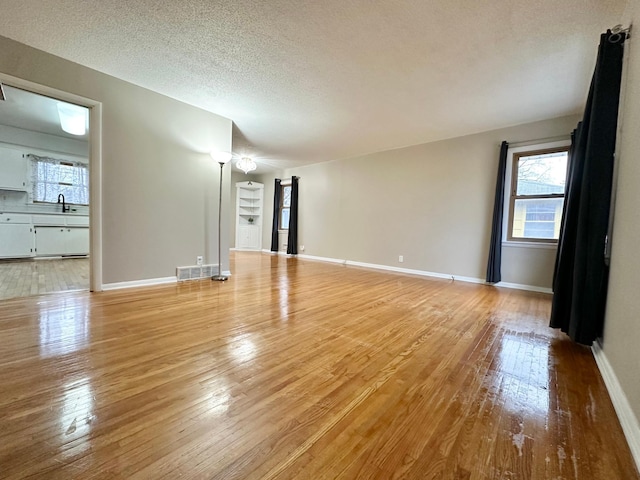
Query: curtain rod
619, 29
619, 32
538, 141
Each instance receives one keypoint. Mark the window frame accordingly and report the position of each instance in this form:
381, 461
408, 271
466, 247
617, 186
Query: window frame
281, 207
513, 196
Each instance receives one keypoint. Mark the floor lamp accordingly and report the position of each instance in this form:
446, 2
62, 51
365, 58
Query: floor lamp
221, 158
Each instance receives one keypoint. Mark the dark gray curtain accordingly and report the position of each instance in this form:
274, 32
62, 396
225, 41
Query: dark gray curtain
276, 215
561, 240
581, 275
292, 242
495, 247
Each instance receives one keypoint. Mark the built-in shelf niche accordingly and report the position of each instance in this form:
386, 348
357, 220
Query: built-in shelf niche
249, 203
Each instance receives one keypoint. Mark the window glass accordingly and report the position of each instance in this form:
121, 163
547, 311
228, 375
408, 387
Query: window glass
284, 219
542, 174
51, 177
286, 196
537, 218
537, 194
285, 204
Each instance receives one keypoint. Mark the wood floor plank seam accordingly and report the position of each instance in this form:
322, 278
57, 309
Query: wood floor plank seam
299, 370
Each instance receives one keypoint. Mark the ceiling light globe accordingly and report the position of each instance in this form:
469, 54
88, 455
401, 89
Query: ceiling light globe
246, 164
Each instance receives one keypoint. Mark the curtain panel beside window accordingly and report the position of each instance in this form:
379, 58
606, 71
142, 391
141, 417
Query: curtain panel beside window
292, 241
495, 246
276, 215
581, 273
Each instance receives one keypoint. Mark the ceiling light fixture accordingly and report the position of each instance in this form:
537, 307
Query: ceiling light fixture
73, 118
246, 164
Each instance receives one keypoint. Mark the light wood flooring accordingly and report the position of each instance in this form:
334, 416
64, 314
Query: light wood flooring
22, 278
295, 369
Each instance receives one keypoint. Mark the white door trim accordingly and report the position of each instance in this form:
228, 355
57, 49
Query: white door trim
95, 167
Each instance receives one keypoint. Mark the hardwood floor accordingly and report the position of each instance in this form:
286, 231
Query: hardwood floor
300, 370
22, 278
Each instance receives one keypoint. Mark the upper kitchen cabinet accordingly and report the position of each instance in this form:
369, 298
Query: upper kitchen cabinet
13, 170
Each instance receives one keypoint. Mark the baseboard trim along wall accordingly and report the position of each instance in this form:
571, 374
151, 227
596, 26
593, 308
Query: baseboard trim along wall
139, 283
149, 282
530, 288
410, 271
628, 420
422, 273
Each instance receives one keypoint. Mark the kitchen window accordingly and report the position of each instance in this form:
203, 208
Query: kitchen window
537, 195
51, 177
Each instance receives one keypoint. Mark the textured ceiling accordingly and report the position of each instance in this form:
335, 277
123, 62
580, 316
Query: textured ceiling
310, 81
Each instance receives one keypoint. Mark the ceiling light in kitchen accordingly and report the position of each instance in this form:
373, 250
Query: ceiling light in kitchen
73, 118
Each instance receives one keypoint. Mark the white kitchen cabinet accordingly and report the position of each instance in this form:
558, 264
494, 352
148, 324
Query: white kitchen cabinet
77, 241
249, 199
13, 170
56, 241
16, 240
50, 241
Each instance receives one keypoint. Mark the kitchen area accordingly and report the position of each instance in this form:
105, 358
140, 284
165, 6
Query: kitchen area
44, 195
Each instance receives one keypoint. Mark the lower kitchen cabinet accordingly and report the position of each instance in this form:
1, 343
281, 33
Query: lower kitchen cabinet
17, 240
62, 241
77, 241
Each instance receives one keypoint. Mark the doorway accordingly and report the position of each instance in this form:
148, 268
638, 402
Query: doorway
48, 162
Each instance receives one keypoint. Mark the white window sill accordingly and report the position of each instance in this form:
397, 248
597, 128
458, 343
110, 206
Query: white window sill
542, 245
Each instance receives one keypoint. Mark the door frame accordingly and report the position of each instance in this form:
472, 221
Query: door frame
95, 167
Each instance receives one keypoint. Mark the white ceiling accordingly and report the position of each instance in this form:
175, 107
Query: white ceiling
310, 81
34, 112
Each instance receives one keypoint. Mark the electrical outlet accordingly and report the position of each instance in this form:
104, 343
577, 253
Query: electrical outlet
199, 260
302, 248
401, 258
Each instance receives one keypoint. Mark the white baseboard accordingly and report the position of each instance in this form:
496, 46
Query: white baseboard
628, 420
149, 282
277, 253
519, 286
323, 259
139, 283
422, 273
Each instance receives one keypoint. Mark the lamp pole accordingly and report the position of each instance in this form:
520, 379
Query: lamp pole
221, 158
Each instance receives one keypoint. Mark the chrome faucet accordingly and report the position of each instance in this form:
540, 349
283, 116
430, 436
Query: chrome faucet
65, 207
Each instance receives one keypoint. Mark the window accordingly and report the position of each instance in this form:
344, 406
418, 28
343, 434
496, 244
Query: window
285, 206
537, 194
51, 177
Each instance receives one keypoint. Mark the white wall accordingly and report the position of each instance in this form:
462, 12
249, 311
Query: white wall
431, 203
621, 337
159, 184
